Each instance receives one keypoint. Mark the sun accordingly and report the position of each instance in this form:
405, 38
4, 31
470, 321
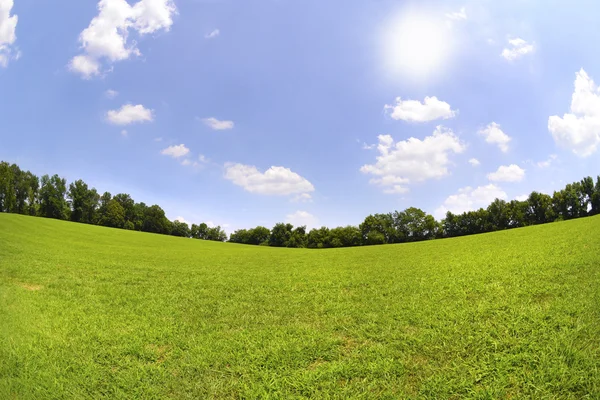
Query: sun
417, 45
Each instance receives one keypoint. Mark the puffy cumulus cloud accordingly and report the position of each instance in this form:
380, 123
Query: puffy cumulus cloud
507, 173
129, 114
106, 37
469, 199
85, 65
579, 130
8, 35
474, 162
274, 181
218, 125
302, 218
415, 111
213, 34
402, 163
517, 48
547, 163
522, 197
175, 151
494, 135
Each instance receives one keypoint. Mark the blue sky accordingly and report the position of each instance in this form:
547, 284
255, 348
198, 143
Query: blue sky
317, 113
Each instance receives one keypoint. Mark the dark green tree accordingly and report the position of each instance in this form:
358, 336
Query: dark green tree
53, 203
155, 220
114, 215
83, 201
180, 229
280, 235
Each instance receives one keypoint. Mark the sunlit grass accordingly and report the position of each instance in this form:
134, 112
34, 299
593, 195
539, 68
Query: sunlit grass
92, 312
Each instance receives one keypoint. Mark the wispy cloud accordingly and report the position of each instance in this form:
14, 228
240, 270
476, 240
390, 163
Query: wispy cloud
213, 34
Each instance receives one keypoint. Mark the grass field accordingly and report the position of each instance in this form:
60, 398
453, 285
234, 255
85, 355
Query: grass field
92, 312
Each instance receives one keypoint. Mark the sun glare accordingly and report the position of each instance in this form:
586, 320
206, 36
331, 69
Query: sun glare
417, 45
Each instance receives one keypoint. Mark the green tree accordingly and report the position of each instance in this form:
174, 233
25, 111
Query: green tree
84, 202
595, 200
413, 225
128, 205
114, 215
498, 215
297, 238
139, 212
155, 220
280, 235
8, 199
216, 234
180, 229
382, 224
344, 236
52, 197
33, 187
517, 213
319, 238
200, 231
539, 209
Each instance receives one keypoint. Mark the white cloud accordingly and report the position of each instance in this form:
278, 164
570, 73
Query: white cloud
201, 160
124, 132
457, 15
474, 162
412, 160
274, 181
85, 65
494, 135
106, 37
522, 197
302, 218
129, 114
302, 198
8, 29
175, 151
507, 173
517, 48
579, 130
469, 199
218, 125
413, 110
213, 34
366, 146
111, 94
548, 162
158, 139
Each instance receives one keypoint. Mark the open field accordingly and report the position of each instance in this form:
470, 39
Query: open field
93, 312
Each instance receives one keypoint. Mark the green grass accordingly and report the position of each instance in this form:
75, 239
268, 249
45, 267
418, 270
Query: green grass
92, 312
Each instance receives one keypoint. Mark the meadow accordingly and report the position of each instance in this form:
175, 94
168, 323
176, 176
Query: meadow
94, 312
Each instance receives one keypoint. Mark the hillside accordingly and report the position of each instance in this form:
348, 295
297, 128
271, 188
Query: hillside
94, 312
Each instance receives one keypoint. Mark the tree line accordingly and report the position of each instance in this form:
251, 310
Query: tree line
49, 196
22, 192
578, 199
